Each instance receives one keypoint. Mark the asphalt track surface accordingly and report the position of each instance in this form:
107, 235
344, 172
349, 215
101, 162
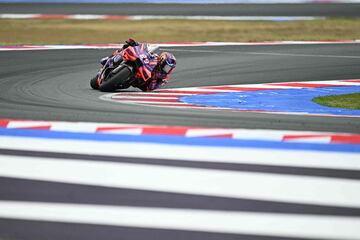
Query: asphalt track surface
343, 10
54, 84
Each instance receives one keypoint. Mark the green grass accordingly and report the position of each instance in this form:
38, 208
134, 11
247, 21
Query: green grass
106, 31
348, 101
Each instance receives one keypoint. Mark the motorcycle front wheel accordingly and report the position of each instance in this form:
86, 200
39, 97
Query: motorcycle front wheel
93, 83
121, 75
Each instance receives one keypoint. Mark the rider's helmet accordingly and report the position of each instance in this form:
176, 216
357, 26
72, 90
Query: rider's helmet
131, 42
167, 62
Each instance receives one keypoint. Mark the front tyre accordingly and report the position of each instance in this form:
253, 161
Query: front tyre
93, 83
114, 82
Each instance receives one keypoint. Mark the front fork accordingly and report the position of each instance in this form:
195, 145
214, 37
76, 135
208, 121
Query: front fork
100, 75
108, 63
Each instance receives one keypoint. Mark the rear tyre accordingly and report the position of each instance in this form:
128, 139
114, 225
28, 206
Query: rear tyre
116, 81
93, 83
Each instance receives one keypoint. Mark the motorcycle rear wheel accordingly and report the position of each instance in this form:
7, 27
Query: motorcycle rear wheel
114, 81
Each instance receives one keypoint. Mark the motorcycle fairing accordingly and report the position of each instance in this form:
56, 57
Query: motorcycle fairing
142, 58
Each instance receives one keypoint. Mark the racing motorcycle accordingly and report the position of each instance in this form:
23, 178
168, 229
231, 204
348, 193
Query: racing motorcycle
135, 69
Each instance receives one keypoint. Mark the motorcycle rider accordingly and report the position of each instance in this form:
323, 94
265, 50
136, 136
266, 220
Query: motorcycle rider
166, 62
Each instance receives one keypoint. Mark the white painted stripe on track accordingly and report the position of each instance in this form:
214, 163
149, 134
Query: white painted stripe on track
74, 127
190, 89
293, 158
337, 83
179, 105
119, 97
228, 18
320, 139
191, 50
158, 17
269, 224
246, 134
136, 131
155, 93
25, 124
19, 16
86, 16
180, 44
55, 47
301, 55
266, 53
314, 114
148, 101
346, 82
206, 182
263, 85
200, 44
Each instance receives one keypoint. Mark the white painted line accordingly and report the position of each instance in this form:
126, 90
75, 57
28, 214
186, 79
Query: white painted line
197, 90
207, 132
149, 102
314, 114
268, 224
119, 97
228, 18
320, 139
179, 106
190, 50
274, 157
253, 134
74, 127
221, 183
86, 16
132, 131
18, 16
188, 89
186, 106
160, 17
180, 44
153, 93
266, 53
263, 85
56, 47
27, 124
335, 83
301, 55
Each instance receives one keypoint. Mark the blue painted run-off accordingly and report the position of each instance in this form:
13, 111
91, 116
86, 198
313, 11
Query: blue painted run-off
284, 100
